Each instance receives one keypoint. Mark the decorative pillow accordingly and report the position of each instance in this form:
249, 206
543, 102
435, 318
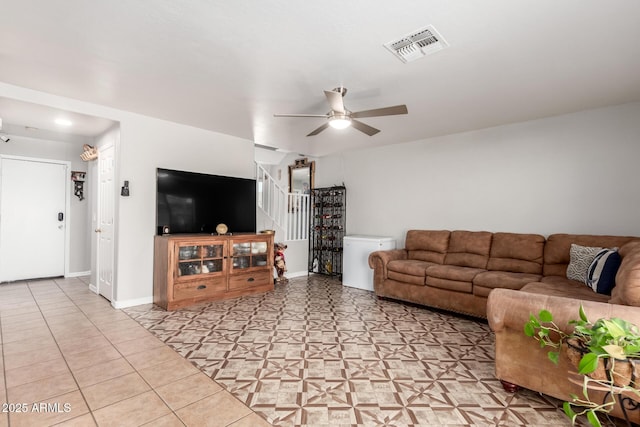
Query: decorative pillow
580, 259
601, 276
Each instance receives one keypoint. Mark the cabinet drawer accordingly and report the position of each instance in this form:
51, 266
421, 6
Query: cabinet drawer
200, 288
248, 280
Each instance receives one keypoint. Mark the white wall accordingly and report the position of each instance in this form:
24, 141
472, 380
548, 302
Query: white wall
576, 173
79, 256
147, 143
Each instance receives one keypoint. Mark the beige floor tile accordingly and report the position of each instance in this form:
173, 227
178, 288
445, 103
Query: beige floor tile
85, 359
51, 411
216, 410
134, 411
102, 372
251, 420
127, 334
100, 317
72, 345
117, 325
188, 390
36, 322
151, 357
52, 312
35, 372
137, 345
70, 319
53, 302
27, 345
85, 420
37, 332
40, 390
66, 332
114, 390
27, 358
20, 315
9, 309
170, 420
4, 420
167, 372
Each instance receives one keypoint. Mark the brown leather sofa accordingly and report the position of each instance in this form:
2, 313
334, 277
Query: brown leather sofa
457, 270
505, 277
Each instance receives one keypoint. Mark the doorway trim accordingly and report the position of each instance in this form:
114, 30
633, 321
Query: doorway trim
67, 202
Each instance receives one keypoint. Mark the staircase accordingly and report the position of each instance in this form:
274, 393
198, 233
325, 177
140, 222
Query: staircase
286, 213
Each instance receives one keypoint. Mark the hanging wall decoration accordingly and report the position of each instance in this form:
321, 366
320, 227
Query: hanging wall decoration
89, 153
78, 183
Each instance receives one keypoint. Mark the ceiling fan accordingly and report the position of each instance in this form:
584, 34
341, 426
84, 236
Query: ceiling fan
340, 118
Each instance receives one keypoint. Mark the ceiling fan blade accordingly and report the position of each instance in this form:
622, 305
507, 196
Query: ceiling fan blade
320, 129
335, 101
386, 111
302, 115
364, 128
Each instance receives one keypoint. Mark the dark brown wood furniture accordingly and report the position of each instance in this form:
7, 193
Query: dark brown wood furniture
189, 269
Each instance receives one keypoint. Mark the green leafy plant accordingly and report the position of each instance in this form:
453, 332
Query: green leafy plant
604, 348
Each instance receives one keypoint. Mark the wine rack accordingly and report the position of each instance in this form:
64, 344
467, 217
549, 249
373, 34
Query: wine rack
327, 222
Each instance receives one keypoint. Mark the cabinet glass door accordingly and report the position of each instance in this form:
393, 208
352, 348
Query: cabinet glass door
200, 259
249, 255
258, 254
241, 255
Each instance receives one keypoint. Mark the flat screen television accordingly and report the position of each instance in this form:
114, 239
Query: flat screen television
189, 202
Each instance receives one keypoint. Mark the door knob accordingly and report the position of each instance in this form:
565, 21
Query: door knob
97, 230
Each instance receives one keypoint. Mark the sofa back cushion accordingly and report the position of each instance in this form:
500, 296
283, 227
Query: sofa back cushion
627, 289
518, 253
427, 245
469, 248
558, 247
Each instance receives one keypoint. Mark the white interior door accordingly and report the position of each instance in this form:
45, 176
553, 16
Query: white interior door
105, 230
32, 218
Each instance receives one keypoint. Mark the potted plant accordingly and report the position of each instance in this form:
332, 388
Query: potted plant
604, 353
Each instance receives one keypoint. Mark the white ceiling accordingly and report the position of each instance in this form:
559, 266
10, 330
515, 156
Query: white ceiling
229, 66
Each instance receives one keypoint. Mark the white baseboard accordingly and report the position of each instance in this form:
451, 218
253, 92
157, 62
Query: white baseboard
93, 288
79, 274
296, 274
131, 302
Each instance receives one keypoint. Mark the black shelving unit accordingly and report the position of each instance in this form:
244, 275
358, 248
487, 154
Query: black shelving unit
327, 222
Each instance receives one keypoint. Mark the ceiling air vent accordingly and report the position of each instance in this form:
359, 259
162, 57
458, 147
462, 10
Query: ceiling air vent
419, 43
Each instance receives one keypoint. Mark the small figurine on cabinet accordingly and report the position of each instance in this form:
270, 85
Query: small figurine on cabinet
279, 262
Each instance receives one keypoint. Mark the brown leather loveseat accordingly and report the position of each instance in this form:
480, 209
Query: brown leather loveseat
505, 277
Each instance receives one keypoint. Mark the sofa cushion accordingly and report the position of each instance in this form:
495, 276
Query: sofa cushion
519, 253
580, 259
484, 282
627, 289
560, 286
452, 277
427, 245
408, 270
556, 250
469, 249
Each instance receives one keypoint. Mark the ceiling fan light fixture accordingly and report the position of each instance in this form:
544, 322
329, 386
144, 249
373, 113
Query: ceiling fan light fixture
340, 122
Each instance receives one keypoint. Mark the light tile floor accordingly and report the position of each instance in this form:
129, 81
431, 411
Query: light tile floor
70, 359
314, 352
310, 353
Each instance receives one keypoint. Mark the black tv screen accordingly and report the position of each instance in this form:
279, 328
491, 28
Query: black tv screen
189, 202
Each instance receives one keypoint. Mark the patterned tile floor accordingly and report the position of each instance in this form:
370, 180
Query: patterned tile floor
316, 353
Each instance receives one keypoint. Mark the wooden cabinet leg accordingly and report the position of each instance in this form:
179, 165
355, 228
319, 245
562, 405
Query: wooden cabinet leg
509, 387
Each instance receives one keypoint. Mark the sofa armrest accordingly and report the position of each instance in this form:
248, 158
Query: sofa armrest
378, 261
510, 309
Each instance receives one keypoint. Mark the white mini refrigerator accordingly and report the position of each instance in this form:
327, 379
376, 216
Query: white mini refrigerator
355, 264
